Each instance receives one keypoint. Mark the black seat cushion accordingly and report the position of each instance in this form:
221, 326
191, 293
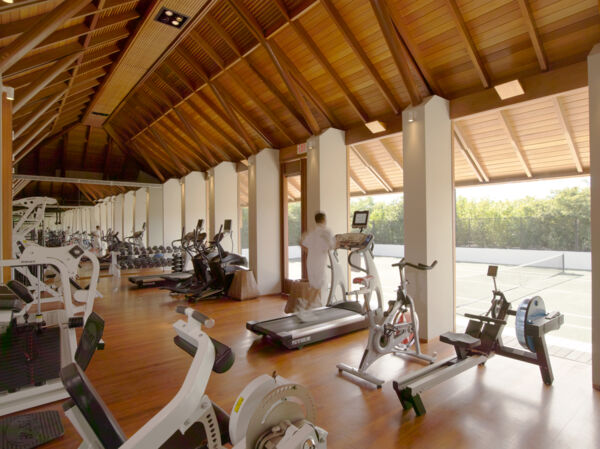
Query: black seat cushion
90, 404
20, 290
460, 340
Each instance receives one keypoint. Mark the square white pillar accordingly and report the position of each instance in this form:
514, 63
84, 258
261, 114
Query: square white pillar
128, 213
140, 215
429, 212
103, 224
594, 92
194, 194
172, 210
155, 217
118, 215
223, 201
264, 220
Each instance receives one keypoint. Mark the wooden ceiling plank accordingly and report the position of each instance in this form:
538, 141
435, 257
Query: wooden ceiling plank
185, 152
356, 181
397, 49
533, 34
472, 160
463, 31
514, 143
82, 189
140, 160
360, 54
258, 33
34, 144
398, 160
31, 90
86, 148
414, 51
40, 31
180, 167
262, 106
107, 152
282, 8
181, 76
154, 150
319, 56
20, 146
193, 134
380, 179
63, 155
560, 112
38, 113
222, 33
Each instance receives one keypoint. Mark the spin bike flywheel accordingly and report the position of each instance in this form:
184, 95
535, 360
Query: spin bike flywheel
529, 310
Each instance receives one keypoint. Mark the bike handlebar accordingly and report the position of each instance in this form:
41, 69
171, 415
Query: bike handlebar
420, 266
198, 316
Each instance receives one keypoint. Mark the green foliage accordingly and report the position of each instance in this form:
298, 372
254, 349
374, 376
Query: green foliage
560, 221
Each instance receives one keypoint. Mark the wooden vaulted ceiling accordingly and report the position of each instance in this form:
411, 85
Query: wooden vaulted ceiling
247, 74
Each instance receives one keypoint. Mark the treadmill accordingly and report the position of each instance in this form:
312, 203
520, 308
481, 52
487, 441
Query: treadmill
334, 320
163, 279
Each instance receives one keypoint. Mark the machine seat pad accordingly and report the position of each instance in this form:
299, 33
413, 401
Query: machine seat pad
460, 340
91, 405
20, 290
363, 279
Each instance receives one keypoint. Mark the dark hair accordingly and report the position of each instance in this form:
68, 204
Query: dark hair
320, 217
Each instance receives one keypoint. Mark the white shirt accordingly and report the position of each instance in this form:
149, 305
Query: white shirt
318, 242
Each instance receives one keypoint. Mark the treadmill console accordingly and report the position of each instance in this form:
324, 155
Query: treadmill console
353, 240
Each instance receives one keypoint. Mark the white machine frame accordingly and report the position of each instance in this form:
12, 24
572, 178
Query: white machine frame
260, 399
66, 261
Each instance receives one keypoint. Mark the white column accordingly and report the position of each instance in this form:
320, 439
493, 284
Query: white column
118, 216
103, 224
327, 180
141, 212
155, 217
428, 212
110, 222
172, 210
223, 202
128, 212
194, 186
264, 220
594, 92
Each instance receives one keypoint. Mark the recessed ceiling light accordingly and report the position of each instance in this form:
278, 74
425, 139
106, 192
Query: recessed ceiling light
509, 90
8, 1
375, 126
171, 18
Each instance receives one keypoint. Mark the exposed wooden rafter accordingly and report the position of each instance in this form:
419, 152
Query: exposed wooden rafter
533, 34
560, 112
469, 155
380, 179
515, 143
398, 160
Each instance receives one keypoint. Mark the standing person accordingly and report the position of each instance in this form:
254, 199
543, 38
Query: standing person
96, 242
318, 242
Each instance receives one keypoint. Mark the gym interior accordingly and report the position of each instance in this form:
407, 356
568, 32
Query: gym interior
184, 263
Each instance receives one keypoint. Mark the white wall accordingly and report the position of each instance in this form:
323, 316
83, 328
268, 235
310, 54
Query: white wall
128, 213
223, 201
155, 217
171, 211
110, 222
195, 206
103, 223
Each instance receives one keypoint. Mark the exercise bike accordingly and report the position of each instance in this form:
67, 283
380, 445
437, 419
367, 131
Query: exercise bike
394, 331
270, 413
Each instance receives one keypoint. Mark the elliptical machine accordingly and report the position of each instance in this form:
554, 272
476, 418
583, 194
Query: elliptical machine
270, 412
394, 331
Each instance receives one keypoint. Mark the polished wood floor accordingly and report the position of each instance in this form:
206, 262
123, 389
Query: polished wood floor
503, 405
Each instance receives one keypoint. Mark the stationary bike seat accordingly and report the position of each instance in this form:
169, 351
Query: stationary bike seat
362, 279
460, 340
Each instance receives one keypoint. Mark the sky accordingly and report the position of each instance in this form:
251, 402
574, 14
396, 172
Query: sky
508, 191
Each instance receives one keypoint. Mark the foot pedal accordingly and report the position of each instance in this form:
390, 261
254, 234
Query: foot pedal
75, 321
31, 430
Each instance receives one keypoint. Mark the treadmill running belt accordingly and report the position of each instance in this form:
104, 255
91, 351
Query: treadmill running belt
29, 358
30, 430
292, 322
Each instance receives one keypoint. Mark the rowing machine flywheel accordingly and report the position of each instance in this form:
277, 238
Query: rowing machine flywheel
529, 310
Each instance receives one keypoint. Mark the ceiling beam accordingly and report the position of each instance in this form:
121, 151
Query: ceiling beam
22, 144
156, 153
562, 118
174, 157
319, 56
84, 181
359, 184
193, 134
397, 49
254, 27
34, 144
106, 158
514, 142
63, 155
150, 163
398, 160
371, 169
86, 148
30, 91
184, 151
85, 193
139, 160
40, 31
463, 31
533, 34
38, 113
358, 51
469, 155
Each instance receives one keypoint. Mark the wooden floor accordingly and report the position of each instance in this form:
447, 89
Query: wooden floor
503, 405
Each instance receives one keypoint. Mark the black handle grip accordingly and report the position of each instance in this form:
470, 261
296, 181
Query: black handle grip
180, 309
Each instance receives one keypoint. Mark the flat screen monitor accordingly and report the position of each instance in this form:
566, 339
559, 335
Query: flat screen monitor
227, 226
360, 219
